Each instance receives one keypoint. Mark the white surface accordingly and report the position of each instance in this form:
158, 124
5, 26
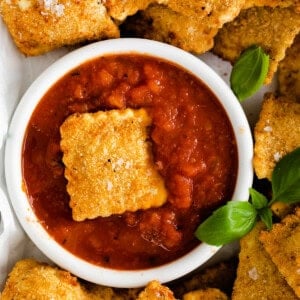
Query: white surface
16, 74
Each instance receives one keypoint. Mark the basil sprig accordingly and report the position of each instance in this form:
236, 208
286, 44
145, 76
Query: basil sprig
235, 219
286, 179
249, 72
228, 223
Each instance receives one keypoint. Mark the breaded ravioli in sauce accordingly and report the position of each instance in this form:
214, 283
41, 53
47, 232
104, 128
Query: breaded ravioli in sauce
109, 163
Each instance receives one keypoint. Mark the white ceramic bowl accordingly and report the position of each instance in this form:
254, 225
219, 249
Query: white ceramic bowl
13, 154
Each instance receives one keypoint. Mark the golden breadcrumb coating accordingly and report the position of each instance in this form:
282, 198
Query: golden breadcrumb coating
216, 11
120, 10
257, 275
295, 4
109, 164
276, 133
155, 291
289, 72
274, 29
189, 25
282, 243
30, 279
38, 26
207, 294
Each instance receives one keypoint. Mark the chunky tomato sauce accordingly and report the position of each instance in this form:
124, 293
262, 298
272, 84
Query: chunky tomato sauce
193, 146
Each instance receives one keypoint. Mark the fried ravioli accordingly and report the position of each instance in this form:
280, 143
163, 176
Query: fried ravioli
289, 72
163, 24
295, 4
276, 133
207, 294
154, 290
274, 29
32, 280
217, 11
109, 164
40, 26
188, 25
257, 275
283, 245
120, 10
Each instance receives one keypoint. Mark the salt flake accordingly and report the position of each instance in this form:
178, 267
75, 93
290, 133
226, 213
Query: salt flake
268, 129
109, 185
253, 274
54, 7
277, 156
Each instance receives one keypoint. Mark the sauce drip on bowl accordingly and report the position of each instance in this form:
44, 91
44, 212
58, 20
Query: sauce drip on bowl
193, 146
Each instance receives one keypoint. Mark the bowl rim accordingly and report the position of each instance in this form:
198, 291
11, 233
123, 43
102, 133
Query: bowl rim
18, 126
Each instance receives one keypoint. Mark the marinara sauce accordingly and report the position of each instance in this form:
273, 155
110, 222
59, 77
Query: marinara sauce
193, 146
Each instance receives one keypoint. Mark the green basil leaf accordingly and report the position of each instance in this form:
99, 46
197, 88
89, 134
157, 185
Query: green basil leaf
258, 200
249, 72
265, 215
286, 179
228, 223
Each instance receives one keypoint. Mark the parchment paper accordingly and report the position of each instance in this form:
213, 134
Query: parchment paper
17, 72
